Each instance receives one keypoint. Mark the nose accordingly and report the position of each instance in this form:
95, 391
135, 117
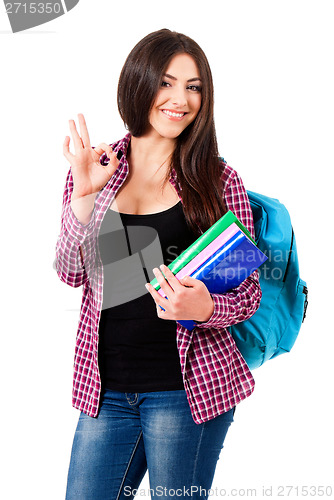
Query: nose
179, 97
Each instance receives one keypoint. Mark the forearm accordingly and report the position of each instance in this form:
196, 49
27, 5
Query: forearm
83, 207
75, 248
243, 301
235, 306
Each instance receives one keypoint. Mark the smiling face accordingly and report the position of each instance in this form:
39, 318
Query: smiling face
178, 100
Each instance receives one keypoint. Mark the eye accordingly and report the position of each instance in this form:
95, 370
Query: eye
165, 84
195, 88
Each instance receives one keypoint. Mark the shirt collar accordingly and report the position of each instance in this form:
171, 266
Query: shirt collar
123, 144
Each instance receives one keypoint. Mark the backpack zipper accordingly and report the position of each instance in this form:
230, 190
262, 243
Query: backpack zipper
305, 290
289, 258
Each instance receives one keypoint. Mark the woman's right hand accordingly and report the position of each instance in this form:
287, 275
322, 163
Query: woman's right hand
89, 176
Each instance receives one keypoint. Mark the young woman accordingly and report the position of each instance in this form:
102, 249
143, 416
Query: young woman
153, 395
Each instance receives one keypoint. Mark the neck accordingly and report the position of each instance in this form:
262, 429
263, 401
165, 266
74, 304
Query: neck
148, 153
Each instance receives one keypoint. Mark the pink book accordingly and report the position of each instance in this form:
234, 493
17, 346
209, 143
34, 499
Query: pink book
206, 253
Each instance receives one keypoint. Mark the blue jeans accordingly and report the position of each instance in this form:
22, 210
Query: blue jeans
138, 431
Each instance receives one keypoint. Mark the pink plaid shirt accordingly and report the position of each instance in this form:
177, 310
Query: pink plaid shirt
215, 375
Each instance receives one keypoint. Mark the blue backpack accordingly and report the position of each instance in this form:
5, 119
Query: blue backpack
273, 329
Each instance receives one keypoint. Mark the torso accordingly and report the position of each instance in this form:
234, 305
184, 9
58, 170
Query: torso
140, 196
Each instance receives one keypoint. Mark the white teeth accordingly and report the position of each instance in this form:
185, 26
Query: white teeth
170, 113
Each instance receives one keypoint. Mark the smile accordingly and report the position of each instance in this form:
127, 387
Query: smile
173, 114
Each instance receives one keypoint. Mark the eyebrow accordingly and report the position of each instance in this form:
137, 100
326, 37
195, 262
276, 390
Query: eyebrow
196, 79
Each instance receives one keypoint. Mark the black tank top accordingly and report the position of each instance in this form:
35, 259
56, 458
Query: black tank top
138, 350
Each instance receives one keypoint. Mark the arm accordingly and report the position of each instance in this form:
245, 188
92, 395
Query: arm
243, 301
73, 242
76, 245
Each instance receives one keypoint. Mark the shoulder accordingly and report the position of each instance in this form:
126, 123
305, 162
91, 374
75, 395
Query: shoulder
236, 197
229, 175
121, 144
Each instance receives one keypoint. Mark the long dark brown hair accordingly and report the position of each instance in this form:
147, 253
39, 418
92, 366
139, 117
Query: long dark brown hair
195, 158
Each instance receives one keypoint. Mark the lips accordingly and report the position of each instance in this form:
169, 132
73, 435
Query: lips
173, 115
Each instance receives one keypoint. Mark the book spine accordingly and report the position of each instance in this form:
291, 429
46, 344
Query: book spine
202, 241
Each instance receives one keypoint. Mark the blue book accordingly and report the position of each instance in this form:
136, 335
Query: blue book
228, 267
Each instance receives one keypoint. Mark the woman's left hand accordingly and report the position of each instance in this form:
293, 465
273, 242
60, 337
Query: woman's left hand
188, 298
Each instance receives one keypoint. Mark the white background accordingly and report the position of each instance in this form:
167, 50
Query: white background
272, 64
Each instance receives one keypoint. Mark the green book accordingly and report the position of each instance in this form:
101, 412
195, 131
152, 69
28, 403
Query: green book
202, 241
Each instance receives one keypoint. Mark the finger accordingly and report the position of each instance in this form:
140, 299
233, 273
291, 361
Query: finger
104, 148
84, 130
172, 280
188, 281
160, 311
78, 144
106, 154
165, 287
112, 165
66, 151
160, 301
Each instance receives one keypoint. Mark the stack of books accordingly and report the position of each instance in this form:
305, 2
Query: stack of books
222, 258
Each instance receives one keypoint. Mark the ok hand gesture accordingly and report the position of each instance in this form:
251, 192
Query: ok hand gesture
89, 176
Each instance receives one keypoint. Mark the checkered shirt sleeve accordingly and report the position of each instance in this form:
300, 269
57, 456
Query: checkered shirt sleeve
75, 248
243, 301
